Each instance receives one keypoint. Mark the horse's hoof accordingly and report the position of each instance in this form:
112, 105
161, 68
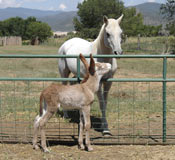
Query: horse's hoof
106, 133
89, 149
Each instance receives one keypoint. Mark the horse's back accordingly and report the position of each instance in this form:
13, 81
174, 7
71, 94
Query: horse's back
75, 46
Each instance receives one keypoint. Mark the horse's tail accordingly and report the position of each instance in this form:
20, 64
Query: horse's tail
62, 64
61, 61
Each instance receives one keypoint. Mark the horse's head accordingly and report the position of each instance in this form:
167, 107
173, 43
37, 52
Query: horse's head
112, 34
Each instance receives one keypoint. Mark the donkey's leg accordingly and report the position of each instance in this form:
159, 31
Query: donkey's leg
87, 121
43, 122
104, 124
80, 138
35, 134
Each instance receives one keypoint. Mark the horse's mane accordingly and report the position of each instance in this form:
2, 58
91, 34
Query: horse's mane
101, 33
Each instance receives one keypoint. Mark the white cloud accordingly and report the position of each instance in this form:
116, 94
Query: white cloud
35, 0
151, 0
62, 6
9, 3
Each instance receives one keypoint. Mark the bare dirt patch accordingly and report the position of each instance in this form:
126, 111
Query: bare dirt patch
65, 152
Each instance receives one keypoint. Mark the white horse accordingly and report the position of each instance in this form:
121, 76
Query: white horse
107, 42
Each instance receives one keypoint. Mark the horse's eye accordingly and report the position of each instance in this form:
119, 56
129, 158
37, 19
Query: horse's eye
108, 35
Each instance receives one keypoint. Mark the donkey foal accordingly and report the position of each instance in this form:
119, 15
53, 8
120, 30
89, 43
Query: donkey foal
78, 96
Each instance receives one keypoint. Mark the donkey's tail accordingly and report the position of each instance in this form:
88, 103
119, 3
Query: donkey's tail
41, 105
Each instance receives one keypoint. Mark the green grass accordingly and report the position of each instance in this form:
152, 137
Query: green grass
27, 49
148, 45
129, 103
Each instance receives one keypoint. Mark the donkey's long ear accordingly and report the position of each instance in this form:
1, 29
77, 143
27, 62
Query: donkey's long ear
86, 67
92, 66
84, 62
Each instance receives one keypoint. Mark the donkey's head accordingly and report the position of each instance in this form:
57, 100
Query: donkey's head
112, 34
95, 69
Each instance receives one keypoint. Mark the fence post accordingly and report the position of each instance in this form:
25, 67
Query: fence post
1, 117
138, 42
164, 97
78, 69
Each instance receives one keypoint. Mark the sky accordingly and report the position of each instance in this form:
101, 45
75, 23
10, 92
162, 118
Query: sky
64, 5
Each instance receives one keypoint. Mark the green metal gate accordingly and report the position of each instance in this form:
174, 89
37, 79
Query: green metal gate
15, 126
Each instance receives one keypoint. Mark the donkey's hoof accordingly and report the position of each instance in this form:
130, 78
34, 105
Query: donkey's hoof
46, 150
81, 147
106, 133
36, 147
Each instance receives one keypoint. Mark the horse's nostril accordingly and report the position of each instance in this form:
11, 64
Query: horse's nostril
115, 52
118, 53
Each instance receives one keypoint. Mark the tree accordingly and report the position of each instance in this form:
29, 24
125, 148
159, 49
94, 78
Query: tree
38, 30
28, 29
132, 24
13, 27
91, 13
168, 10
1, 28
27, 22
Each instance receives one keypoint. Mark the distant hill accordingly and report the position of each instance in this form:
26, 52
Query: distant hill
151, 13
24, 13
62, 21
58, 20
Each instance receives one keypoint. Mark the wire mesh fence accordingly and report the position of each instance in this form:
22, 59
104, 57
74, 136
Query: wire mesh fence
134, 112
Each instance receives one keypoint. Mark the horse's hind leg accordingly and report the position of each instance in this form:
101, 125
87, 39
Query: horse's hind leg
64, 73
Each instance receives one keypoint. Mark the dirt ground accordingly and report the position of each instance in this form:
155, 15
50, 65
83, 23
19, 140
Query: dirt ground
65, 152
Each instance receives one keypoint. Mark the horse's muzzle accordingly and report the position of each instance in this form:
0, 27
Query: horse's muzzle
118, 53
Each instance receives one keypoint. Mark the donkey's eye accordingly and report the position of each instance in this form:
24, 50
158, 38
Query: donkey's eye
108, 35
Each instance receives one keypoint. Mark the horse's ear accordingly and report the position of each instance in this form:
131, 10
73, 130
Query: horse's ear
92, 66
120, 19
84, 62
105, 19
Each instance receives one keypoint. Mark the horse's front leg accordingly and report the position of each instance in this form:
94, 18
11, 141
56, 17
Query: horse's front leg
102, 98
106, 86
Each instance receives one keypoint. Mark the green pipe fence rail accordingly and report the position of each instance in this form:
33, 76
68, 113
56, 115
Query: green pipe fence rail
164, 80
